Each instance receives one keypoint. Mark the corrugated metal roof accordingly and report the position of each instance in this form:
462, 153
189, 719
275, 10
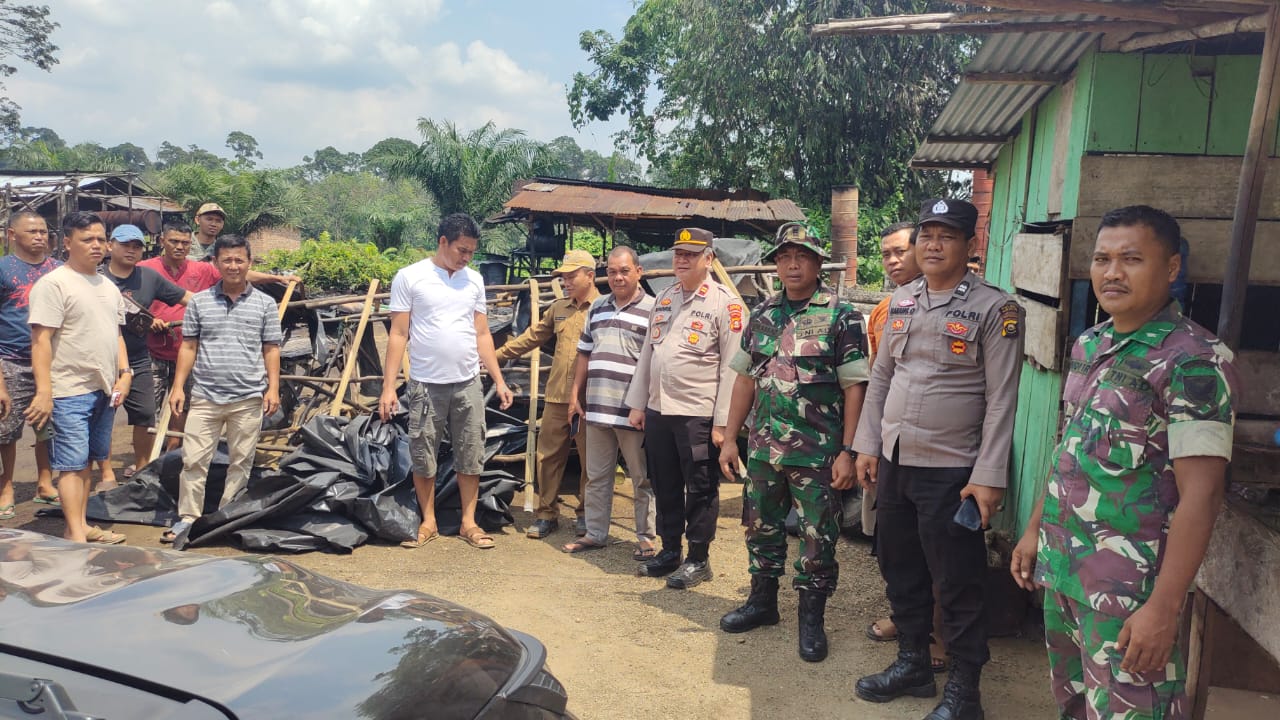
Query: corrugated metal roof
21, 181
996, 109
545, 197
138, 202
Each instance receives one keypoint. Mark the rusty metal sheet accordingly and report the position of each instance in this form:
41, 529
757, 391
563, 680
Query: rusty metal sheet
544, 197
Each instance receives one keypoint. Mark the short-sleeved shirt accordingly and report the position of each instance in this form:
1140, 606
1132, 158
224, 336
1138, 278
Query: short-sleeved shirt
16, 278
944, 387
562, 320
442, 331
876, 321
143, 286
801, 356
1132, 405
612, 339
193, 277
683, 368
86, 312
229, 365
198, 252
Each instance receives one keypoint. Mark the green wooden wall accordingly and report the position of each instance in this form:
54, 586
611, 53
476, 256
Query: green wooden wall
1176, 104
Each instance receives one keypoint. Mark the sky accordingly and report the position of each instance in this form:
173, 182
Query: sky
299, 75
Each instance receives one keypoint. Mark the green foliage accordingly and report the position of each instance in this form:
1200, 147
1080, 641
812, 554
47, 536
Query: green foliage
871, 221
737, 94
24, 35
253, 199
170, 155
245, 147
363, 206
570, 161
588, 240
333, 266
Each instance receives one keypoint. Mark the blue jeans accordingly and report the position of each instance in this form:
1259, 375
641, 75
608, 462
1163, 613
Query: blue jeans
81, 431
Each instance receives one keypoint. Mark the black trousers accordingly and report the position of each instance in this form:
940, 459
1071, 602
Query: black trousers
919, 546
685, 477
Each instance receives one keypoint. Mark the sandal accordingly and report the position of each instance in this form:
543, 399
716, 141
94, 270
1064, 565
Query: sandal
644, 551
873, 632
96, 534
48, 499
477, 538
130, 471
580, 545
938, 665
168, 536
422, 539
7, 512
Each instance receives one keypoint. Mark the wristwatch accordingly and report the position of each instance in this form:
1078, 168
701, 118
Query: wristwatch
849, 449
125, 370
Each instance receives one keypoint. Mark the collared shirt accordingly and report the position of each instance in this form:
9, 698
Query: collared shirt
801, 360
563, 320
192, 276
945, 384
442, 309
876, 321
229, 365
683, 369
1132, 405
612, 339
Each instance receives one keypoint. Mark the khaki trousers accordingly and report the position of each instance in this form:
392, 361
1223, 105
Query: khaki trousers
553, 456
603, 444
206, 423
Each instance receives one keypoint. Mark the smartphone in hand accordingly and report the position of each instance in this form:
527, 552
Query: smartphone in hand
574, 422
968, 516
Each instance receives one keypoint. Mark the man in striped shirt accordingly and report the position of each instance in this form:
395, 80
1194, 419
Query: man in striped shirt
616, 328
231, 348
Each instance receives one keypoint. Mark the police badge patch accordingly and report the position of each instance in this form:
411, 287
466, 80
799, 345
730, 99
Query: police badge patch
1009, 319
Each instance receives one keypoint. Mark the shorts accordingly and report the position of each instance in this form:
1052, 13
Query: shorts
140, 403
81, 431
1085, 674
455, 407
22, 389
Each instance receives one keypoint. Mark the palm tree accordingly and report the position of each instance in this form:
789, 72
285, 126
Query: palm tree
253, 199
472, 173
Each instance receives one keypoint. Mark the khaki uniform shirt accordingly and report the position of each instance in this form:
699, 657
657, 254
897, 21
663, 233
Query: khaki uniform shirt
944, 386
562, 320
684, 367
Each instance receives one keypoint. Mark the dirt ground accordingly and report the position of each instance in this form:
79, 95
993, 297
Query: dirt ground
626, 646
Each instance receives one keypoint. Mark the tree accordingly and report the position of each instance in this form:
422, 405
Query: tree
245, 148
375, 158
24, 34
131, 157
253, 199
737, 94
473, 172
571, 161
328, 161
170, 155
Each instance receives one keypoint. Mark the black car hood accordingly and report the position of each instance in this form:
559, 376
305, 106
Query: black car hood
258, 635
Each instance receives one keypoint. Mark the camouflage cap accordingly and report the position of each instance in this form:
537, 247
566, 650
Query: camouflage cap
694, 239
799, 234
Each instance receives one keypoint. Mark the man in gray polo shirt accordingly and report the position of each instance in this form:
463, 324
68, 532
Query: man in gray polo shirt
231, 349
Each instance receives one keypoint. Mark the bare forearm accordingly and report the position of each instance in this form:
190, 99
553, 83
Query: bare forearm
579, 375
396, 343
271, 359
41, 364
122, 356
744, 396
1185, 548
186, 359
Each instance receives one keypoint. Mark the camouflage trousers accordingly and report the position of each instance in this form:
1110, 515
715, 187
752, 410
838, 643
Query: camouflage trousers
771, 492
1084, 669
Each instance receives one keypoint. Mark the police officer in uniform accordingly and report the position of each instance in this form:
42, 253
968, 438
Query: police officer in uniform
803, 366
936, 429
679, 397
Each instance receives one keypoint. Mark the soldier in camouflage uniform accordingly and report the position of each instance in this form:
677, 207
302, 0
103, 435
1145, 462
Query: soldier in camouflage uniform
1147, 431
803, 366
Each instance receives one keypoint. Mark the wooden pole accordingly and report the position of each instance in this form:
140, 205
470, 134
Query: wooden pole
1244, 223
353, 354
535, 378
1123, 10
1252, 23
718, 270
288, 293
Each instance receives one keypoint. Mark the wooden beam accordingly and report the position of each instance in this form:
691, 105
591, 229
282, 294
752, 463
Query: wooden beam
1014, 78
1262, 128
971, 139
535, 380
1250, 24
949, 165
353, 354
1120, 10
993, 28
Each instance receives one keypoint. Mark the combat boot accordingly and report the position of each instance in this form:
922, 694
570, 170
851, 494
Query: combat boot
813, 636
760, 609
961, 699
910, 675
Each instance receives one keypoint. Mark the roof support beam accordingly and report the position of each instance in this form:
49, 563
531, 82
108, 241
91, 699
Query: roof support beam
1014, 78
949, 165
836, 27
970, 139
1253, 23
1120, 10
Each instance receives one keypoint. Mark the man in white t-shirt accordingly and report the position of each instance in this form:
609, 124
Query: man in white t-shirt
438, 310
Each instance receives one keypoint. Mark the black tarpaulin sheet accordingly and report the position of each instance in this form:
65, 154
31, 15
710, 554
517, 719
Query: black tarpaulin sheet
349, 480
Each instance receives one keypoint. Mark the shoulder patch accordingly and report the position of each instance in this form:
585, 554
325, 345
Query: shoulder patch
1009, 319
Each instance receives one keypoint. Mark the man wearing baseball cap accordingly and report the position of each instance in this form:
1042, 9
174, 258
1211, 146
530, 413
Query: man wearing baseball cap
564, 321
679, 397
140, 287
803, 367
210, 219
935, 431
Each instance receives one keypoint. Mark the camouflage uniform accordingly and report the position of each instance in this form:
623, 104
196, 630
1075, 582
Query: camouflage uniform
801, 358
1133, 404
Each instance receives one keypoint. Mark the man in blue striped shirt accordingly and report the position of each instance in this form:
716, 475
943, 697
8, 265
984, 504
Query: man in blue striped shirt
615, 331
231, 349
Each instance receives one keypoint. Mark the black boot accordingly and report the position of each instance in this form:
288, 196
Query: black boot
662, 564
760, 609
908, 675
960, 697
813, 637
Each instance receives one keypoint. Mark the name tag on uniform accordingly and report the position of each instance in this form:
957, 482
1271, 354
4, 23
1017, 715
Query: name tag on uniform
812, 326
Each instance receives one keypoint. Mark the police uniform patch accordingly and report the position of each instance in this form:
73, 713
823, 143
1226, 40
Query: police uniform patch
665, 302
735, 317
940, 207
897, 325
957, 328
696, 325
908, 302
702, 291
657, 333
1009, 319
693, 338
735, 324
959, 346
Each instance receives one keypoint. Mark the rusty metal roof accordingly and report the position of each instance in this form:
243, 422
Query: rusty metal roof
547, 195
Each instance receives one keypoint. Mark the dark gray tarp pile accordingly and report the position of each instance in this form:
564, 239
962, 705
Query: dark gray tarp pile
349, 480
